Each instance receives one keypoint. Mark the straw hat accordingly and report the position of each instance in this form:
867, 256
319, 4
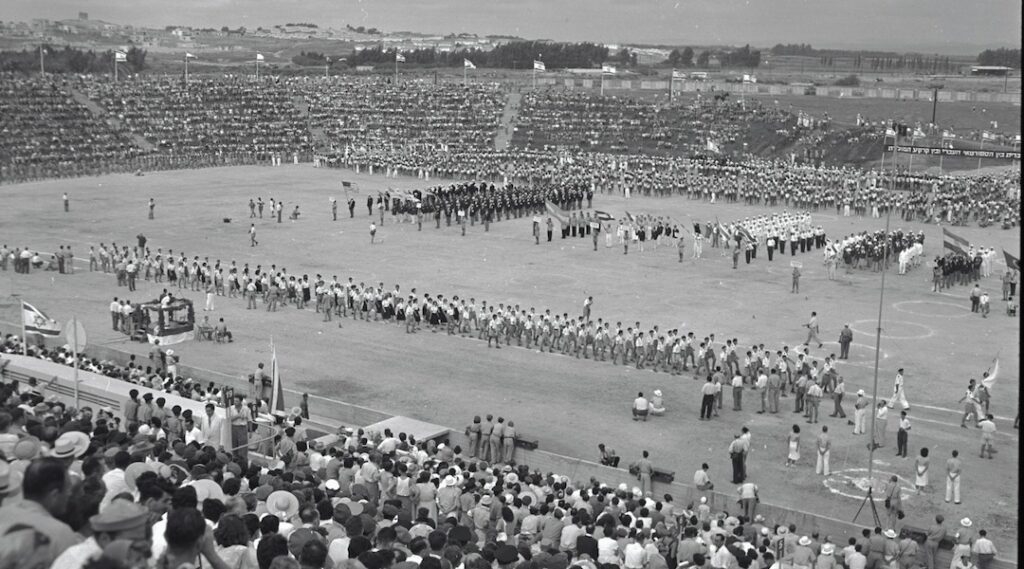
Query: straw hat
890, 533
804, 540
966, 522
283, 504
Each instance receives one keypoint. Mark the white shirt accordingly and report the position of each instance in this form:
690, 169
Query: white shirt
115, 484
76, 556
634, 556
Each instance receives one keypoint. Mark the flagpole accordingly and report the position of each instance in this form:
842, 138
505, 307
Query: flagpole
24, 335
186, 70
115, 81
464, 68
602, 82
42, 65
257, 69
74, 352
982, 148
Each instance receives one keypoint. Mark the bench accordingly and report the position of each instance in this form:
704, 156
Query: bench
525, 443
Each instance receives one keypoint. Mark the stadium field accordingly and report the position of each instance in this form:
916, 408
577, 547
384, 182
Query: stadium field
569, 405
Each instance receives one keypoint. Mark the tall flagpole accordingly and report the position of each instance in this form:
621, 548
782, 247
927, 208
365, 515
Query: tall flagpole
257, 69
24, 336
74, 352
186, 70
115, 75
42, 65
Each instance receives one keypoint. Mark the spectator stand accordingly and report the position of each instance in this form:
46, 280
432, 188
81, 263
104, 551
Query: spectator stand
95, 390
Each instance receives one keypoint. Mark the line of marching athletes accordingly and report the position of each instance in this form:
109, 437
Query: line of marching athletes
580, 336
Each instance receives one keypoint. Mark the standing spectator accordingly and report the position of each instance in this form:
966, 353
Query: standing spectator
794, 446
953, 470
984, 550
903, 435
46, 488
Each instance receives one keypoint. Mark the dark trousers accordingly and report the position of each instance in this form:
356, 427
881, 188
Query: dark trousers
838, 412
771, 251
707, 404
844, 350
737, 467
901, 443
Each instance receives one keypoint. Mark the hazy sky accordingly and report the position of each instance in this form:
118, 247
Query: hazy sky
939, 25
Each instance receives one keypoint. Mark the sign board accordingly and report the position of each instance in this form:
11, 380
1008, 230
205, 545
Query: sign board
74, 334
955, 152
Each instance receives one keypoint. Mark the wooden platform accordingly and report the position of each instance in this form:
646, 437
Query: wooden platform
420, 430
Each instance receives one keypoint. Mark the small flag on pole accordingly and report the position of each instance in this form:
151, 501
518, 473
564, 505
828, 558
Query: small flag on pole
948, 135
189, 56
120, 56
538, 65
986, 135
468, 64
1011, 261
36, 322
259, 57
712, 146
678, 74
603, 215
954, 242
890, 133
608, 69
399, 58
277, 393
918, 133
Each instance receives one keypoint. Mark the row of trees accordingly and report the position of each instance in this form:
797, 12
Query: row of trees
1002, 56
70, 60
743, 57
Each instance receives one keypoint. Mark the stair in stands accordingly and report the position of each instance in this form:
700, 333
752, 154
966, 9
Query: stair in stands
504, 135
95, 109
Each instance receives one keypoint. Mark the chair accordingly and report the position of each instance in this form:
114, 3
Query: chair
204, 333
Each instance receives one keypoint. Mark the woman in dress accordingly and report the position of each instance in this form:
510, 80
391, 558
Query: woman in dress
426, 495
921, 471
794, 446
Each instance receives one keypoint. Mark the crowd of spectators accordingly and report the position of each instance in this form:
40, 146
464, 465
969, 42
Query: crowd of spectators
46, 133
81, 489
417, 114
206, 116
624, 124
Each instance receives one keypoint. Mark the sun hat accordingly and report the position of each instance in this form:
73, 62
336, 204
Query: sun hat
283, 504
10, 479
804, 540
133, 471
27, 448
828, 549
890, 533
78, 440
207, 488
966, 522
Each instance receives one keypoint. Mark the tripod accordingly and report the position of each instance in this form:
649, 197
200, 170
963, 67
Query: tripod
869, 499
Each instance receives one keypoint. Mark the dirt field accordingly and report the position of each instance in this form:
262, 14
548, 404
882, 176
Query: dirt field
568, 405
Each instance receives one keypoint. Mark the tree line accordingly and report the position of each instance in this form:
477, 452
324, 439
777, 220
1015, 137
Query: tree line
1003, 56
70, 60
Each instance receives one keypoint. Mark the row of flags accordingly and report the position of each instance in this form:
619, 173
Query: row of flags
958, 244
